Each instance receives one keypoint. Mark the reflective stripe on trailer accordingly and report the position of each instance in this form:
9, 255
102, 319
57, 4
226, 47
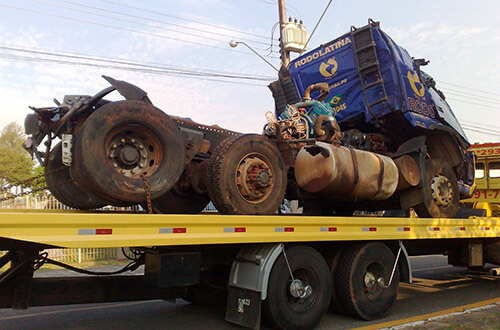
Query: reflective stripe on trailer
403, 228
369, 229
235, 229
284, 229
97, 231
485, 228
460, 228
329, 229
172, 230
434, 229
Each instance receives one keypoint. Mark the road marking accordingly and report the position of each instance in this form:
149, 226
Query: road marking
75, 310
429, 315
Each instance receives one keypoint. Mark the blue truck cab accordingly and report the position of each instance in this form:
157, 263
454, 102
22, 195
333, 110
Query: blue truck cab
383, 101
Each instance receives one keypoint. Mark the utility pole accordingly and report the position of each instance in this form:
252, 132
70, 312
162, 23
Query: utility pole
285, 55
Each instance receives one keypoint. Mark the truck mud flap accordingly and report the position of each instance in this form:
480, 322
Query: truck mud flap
244, 307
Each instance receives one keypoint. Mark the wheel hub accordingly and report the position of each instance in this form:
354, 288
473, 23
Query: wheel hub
442, 190
254, 178
298, 290
133, 152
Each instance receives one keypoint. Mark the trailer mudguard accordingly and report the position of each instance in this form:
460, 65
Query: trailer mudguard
129, 91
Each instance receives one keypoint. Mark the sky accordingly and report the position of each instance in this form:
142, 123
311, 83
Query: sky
460, 38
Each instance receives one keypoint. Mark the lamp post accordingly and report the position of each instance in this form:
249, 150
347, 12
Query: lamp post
234, 43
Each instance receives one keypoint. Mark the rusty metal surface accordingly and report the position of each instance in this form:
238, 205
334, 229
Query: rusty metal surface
331, 171
409, 173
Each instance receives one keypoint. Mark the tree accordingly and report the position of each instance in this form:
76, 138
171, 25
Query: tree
15, 163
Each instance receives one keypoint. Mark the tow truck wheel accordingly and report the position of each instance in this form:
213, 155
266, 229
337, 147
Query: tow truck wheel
246, 175
363, 274
440, 191
299, 302
64, 188
121, 142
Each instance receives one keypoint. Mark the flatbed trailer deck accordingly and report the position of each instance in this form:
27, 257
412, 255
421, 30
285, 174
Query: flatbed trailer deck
180, 253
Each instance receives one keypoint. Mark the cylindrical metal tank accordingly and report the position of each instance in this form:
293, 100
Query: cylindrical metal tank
342, 173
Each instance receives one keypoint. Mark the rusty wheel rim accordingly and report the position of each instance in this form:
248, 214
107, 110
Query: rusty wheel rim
254, 178
134, 150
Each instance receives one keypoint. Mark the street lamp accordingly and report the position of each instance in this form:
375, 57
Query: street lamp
234, 43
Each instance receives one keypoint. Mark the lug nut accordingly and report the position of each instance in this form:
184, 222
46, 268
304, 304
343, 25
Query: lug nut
114, 146
122, 171
141, 165
132, 171
141, 146
115, 165
110, 155
143, 156
133, 140
122, 140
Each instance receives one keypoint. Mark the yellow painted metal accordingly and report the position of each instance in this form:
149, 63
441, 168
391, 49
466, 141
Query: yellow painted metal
64, 229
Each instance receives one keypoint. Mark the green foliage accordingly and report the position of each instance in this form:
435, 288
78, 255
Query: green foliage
15, 163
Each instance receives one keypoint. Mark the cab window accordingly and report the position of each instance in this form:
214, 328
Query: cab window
479, 174
494, 170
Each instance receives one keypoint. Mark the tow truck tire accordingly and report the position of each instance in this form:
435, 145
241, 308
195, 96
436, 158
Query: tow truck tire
64, 188
284, 311
359, 266
123, 140
440, 191
246, 175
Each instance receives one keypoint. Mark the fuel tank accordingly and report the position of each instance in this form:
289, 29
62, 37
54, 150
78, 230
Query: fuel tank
346, 174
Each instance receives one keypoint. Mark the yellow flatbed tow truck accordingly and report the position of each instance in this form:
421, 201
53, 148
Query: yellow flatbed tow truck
290, 267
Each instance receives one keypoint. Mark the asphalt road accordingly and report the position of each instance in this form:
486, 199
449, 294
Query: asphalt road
437, 286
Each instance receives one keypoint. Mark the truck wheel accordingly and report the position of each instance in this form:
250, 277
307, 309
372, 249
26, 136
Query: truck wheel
246, 175
300, 303
123, 140
440, 191
180, 203
64, 188
358, 289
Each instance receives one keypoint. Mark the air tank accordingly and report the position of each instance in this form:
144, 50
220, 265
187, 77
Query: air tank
341, 173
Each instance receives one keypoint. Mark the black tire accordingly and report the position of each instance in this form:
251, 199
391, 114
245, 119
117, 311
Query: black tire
119, 142
357, 298
64, 188
180, 203
396, 214
252, 157
431, 207
284, 311
332, 259
466, 212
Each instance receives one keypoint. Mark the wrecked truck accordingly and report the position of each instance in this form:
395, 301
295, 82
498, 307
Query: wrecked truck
358, 126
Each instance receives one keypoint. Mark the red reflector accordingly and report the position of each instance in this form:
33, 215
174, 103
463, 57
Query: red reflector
240, 229
406, 229
332, 228
462, 228
486, 228
104, 231
179, 230
289, 229
436, 228
373, 229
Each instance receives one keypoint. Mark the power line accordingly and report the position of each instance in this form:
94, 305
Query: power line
478, 131
446, 90
142, 70
496, 131
480, 124
125, 29
468, 88
473, 98
481, 105
145, 18
147, 66
182, 18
